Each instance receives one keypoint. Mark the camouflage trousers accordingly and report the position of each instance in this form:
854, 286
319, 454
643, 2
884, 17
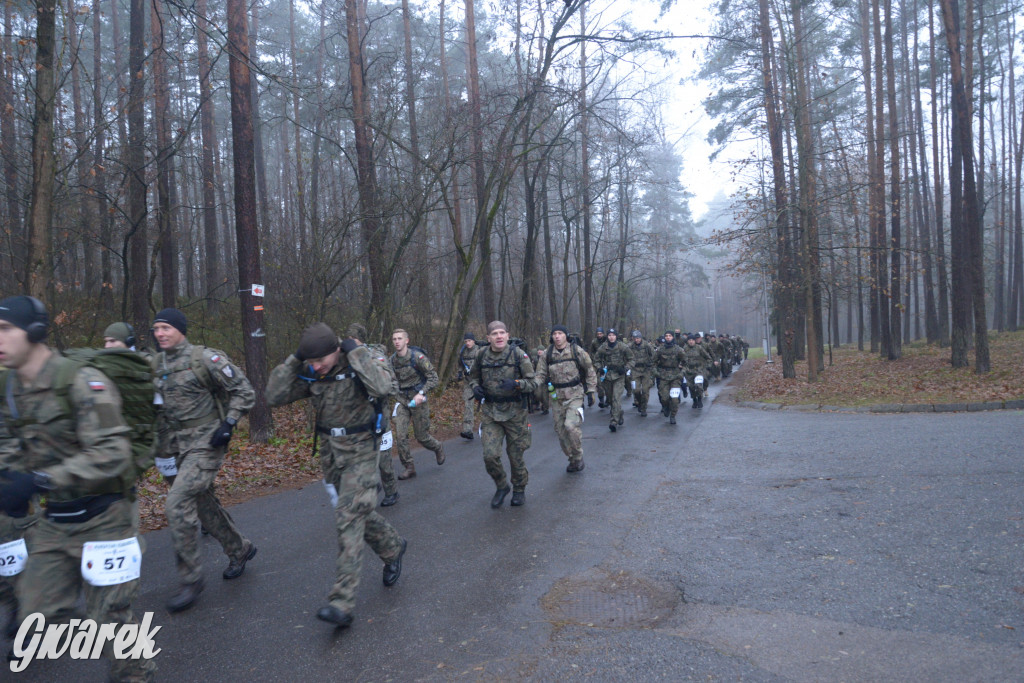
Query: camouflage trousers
191, 500
386, 466
52, 579
350, 465
11, 529
642, 379
665, 386
420, 418
568, 419
468, 409
516, 434
613, 389
696, 390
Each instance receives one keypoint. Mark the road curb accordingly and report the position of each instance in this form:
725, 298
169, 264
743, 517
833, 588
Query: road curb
1016, 404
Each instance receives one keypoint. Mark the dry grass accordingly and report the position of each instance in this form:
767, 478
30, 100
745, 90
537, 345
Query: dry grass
922, 375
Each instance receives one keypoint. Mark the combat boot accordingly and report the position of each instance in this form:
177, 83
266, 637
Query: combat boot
392, 570
388, 501
185, 597
466, 435
236, 567
331, 614
672, 420
439, 455
408, 473
518, 498
499, 496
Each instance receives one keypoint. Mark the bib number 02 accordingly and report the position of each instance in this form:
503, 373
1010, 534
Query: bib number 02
108, 563
12, 557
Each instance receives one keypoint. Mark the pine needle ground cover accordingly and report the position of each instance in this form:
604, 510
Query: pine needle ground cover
922, 375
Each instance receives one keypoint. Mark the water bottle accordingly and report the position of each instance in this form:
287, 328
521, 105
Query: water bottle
552, 392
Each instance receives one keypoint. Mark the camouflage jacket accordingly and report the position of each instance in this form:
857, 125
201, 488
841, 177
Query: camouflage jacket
409, 380
668, 361
492, 367
187, 401
341, 398
643, 355
617, 359
696, 359
466, 358
84, 454
595, 344
564, 374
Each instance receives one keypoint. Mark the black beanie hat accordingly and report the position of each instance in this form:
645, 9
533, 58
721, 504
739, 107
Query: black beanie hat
560, 328
21, 312
317, 341
469, 335
174, 318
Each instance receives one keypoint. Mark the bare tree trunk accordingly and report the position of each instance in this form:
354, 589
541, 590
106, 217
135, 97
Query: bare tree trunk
106, 292
211, 270
87, 223
168, 247
895, 197
39, 275
588, 273
482, 226
261, 168
16, 256
300, 178
249, 270
137, 280
940, 241
373, 231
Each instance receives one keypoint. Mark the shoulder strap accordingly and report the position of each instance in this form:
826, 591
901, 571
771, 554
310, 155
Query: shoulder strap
9, 392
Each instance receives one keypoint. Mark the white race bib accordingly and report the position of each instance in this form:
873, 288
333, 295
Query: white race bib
674, 393
394, 413
108, 563
158, 399
12, 557
699, 379
633, 385
580, 410
385, 441
166, 467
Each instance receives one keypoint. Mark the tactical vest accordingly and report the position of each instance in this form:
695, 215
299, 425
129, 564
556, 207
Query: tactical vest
574, 358
509, 360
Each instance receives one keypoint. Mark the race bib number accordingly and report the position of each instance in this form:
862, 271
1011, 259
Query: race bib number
674, 393
385, 441
699, 379
166, 467
12, 557
108, 563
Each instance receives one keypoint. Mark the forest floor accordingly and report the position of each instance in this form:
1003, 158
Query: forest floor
922, 375
252, 470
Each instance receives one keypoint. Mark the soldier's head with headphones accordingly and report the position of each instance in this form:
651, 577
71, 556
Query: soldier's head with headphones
119, 336
24, 324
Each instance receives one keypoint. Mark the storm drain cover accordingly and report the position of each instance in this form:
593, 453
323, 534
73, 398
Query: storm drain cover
610, 599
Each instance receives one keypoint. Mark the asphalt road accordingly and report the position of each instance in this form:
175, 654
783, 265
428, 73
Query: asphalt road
736, 545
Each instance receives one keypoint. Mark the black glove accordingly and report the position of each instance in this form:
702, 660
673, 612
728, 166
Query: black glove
478, 391
222, 435
590, 400
16, 490
507, 385
348, 345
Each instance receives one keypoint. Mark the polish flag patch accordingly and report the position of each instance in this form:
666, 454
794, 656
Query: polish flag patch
97, 386
215, 359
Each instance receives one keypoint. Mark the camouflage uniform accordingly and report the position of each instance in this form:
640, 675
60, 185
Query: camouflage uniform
595, 344
386, 463
189, 416
502, 415
570, 381
727, 355
643, 373
541, 394
349, 462
86, 457
409, 384
618, 361
668, 364
714, 350
696, 359
466, 358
